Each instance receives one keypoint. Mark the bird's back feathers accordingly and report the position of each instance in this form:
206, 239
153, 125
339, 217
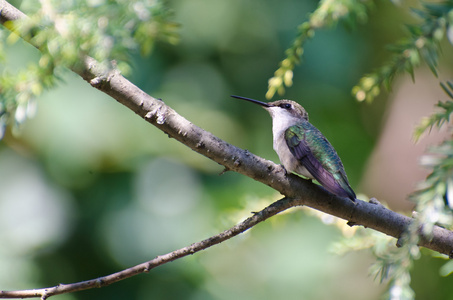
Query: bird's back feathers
316, 154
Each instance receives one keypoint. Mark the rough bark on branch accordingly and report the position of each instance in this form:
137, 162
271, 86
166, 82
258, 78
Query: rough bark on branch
297, 190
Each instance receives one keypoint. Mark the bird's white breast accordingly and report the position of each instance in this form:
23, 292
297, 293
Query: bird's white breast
280, 122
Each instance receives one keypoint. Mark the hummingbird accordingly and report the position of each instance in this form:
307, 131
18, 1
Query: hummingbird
303, 149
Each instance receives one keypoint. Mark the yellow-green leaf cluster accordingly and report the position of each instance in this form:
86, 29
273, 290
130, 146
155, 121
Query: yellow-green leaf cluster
328, 14
66, 32
422, 44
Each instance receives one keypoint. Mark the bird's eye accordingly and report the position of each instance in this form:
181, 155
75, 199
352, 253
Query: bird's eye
286, 105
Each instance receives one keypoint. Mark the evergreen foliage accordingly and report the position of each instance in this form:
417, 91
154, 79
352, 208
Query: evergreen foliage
66, 32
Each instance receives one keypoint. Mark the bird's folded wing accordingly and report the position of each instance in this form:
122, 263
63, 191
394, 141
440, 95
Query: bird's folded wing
300, 149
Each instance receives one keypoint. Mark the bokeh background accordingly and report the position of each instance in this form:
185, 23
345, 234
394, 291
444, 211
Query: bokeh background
88, 188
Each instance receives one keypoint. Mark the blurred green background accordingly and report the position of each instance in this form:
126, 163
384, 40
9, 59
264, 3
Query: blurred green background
89, 188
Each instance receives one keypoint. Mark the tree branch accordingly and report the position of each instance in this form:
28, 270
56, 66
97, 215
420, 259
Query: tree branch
298, 191
145, 267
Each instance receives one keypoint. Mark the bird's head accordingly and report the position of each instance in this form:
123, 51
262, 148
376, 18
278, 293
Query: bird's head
281, 108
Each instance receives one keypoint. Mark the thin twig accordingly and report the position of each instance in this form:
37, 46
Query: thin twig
44, 293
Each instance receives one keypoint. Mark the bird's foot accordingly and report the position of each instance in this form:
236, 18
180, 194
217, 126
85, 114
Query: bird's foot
284, 170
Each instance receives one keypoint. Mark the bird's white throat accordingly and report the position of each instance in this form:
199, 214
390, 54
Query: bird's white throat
281, 120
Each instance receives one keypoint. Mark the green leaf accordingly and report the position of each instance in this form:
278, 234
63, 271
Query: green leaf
446, 269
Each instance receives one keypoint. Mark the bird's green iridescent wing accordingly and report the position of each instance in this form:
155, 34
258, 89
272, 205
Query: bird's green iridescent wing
318, 156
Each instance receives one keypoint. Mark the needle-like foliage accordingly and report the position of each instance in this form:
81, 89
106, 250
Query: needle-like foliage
422, 44
327, 15
66, 32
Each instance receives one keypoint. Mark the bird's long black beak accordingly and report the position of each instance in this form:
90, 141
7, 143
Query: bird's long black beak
252, 100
